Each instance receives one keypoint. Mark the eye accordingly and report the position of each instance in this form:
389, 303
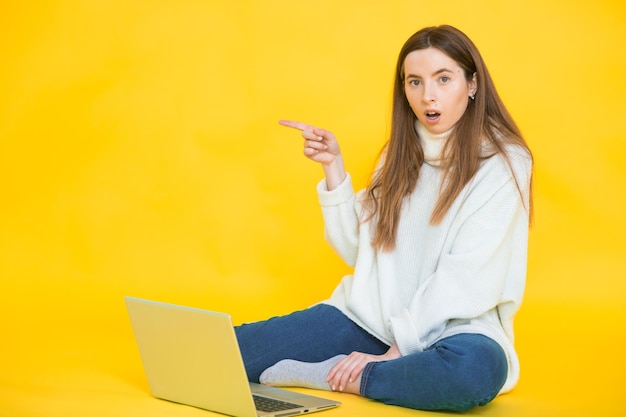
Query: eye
414, 82
445, 79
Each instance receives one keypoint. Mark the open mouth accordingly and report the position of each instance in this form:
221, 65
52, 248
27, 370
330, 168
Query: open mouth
432, 115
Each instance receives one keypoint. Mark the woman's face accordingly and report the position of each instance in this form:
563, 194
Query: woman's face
436, 89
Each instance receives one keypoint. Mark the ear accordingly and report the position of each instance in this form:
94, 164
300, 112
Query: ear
473, 86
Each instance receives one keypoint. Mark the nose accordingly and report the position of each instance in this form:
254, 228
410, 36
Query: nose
430, 93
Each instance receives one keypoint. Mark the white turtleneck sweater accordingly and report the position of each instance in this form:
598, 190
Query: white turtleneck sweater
432, 144
463, 275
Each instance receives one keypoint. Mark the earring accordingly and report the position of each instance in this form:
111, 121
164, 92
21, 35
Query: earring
472, 96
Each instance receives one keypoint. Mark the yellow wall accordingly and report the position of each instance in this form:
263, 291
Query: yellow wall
140, 154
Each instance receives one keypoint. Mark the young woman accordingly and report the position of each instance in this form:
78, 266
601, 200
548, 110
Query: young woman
438, 243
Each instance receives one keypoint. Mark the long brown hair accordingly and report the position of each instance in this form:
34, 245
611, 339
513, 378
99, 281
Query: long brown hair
485, 119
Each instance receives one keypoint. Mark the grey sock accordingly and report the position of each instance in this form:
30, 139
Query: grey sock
292, 373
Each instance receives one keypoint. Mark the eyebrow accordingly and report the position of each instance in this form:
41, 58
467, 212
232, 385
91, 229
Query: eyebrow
439, 71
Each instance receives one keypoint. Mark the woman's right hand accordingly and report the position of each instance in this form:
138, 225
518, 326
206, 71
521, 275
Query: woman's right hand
321, 146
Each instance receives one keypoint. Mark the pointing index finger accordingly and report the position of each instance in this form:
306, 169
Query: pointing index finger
295, 125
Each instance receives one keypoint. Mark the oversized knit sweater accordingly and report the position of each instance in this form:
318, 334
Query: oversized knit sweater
463, 275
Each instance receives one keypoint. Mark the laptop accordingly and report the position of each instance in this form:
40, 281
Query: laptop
191, 356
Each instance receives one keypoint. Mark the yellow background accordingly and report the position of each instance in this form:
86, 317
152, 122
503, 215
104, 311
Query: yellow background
140, 155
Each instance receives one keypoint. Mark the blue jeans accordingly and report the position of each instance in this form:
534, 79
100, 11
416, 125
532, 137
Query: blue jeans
456, 373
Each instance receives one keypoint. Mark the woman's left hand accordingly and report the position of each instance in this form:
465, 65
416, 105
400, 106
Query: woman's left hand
350, 368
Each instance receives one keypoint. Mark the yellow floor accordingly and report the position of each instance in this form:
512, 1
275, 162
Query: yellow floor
53, 369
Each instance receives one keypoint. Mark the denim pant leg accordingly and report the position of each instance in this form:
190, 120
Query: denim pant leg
456, 373
311, 335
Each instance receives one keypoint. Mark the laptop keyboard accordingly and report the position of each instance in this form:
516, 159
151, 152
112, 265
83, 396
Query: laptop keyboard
271, 404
